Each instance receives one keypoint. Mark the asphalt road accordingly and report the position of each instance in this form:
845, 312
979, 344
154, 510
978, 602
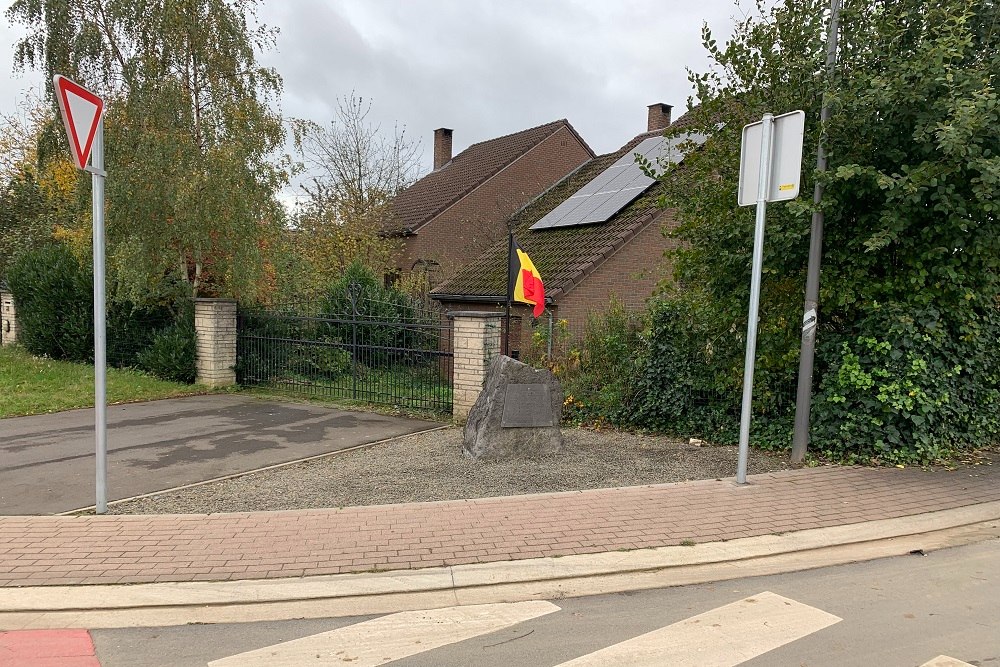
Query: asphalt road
47, 462
900, 612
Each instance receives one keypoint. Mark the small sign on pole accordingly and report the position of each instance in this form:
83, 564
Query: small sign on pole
784, 174
770, 170
83, 115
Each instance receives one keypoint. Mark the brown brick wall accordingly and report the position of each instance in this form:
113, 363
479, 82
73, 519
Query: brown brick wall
471, 225
630, 274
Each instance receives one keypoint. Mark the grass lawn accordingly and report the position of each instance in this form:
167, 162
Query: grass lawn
31, 385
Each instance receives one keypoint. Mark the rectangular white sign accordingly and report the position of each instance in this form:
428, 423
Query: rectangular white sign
787, 134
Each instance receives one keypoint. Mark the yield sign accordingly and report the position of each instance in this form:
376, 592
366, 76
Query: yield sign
81, 112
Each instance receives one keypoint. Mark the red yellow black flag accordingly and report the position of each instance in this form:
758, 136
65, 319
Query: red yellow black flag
525, 283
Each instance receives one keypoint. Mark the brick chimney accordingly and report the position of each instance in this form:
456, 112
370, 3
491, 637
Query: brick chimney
442, 147
659, 117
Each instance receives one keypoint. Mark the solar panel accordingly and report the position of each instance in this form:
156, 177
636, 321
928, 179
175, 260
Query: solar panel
617, 186
616, 202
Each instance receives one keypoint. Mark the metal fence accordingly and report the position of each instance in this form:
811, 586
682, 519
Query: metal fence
368, 351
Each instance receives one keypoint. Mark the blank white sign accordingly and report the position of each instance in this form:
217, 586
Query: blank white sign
787, 132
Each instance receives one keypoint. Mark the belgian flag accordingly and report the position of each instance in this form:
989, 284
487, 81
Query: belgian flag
524, 282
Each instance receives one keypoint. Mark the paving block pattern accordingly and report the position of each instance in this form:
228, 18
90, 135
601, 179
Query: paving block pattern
122, 549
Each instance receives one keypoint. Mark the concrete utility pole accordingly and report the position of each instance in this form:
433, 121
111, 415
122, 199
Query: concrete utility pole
803, 398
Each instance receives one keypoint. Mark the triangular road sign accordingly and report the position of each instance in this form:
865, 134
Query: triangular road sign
81, 112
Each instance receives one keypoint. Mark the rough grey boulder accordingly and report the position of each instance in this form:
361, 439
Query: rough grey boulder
486, 438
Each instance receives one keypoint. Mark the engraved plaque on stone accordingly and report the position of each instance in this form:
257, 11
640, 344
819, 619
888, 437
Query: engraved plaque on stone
526, 406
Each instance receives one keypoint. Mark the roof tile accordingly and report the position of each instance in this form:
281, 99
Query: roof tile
563, 255
438, 190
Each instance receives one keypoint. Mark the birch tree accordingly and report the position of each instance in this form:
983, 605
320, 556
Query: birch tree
189, 133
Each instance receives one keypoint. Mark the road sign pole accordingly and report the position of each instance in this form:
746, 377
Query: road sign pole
758, 259
83, 117
100, 332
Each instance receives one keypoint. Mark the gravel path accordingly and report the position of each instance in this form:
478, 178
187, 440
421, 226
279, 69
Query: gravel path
431, 466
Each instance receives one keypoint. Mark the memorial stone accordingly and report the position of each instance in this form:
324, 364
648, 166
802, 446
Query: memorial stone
516, 415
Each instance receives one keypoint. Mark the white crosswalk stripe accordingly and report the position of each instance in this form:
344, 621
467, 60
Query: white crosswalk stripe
723, 637
945, 661
392, 637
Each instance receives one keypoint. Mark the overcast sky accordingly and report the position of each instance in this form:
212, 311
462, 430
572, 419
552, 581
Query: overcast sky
481, 67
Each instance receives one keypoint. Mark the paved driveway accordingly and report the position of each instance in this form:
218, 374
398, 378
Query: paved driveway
47, 462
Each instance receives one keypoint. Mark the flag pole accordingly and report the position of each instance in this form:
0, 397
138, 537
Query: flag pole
510, 253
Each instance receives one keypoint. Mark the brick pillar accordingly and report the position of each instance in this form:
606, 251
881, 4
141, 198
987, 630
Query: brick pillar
215, 330
8, 318
476, 341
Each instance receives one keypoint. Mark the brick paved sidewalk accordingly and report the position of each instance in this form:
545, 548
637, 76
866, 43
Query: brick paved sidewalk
131, 549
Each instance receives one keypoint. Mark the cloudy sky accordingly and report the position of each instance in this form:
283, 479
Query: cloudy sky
481, 67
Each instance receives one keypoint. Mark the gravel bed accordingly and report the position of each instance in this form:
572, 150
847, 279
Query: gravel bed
430, 466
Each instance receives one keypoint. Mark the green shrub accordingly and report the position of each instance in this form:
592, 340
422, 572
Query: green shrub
386, 323
265, 344
171, 356
909, 386
686, 383
676, 375
320, 361
53, 293
133, 328
612, 351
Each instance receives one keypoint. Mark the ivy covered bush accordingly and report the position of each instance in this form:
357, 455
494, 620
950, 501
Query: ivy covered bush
907, 364
904, 388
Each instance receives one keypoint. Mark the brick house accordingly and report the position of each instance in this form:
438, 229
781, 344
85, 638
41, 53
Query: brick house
458, 210
582, 265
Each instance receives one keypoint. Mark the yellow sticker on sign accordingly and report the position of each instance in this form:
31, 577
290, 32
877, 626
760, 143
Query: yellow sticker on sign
787, 186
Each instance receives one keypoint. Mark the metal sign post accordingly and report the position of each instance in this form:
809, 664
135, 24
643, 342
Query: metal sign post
100, 327
758, 259
83, 115
776, 173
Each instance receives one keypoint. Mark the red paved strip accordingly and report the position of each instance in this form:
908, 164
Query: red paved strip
47, 648
130, 549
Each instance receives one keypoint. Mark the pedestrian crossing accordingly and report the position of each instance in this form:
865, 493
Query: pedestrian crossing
725, 636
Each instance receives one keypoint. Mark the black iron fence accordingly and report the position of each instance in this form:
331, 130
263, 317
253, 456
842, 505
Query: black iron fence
373, 352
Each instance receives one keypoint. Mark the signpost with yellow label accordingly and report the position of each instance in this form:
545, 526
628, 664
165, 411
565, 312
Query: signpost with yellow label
770, 170
785, 170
